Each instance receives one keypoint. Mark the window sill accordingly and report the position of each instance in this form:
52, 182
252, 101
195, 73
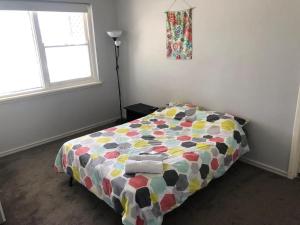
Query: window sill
7, 99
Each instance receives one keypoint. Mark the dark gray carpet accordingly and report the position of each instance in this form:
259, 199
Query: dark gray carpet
33, 194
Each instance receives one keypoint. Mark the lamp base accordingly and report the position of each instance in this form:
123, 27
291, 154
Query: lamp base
121, 121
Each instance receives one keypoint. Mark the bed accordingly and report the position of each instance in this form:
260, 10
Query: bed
200, 145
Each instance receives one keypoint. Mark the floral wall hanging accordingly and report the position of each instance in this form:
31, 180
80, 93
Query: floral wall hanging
179, 34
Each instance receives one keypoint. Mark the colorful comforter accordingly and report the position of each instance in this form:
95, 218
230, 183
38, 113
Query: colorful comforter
197, 152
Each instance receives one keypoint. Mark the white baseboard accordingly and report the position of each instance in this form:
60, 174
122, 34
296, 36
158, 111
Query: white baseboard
294, 163
2, 216
264, 166
55, 138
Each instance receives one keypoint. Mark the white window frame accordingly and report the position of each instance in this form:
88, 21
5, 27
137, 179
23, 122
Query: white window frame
47, 86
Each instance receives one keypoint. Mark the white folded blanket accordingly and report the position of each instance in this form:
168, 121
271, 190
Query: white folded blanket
152, 157
146, 166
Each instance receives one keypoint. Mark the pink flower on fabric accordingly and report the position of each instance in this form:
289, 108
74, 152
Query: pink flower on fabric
175, 46
188, 34
172, 18
169, 51
64, 160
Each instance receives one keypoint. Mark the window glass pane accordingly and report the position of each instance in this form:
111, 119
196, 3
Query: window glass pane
62, 28
19, 63
67, 63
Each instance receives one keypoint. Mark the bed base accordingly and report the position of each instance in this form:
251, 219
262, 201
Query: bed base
71, 181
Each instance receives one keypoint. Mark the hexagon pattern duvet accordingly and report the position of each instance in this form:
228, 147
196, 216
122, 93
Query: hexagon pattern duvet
198, 151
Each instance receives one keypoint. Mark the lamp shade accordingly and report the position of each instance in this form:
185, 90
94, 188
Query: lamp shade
114, 33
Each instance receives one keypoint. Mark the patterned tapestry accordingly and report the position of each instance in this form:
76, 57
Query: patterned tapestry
179, 34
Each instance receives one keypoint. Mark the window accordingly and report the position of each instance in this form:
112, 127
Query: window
42, 50
19, 70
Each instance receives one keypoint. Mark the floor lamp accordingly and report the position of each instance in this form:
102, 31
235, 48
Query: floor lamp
115, 35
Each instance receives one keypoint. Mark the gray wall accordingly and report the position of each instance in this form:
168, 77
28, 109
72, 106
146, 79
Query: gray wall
246, 62
31, 119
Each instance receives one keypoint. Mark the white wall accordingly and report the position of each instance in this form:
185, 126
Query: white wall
245, 62
31, 119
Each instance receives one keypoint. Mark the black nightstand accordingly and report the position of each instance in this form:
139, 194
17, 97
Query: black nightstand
138, 110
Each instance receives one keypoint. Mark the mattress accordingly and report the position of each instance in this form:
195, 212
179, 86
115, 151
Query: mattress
197, 151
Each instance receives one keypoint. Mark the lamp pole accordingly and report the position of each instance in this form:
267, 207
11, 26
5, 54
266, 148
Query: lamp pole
115, 34
117, 54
